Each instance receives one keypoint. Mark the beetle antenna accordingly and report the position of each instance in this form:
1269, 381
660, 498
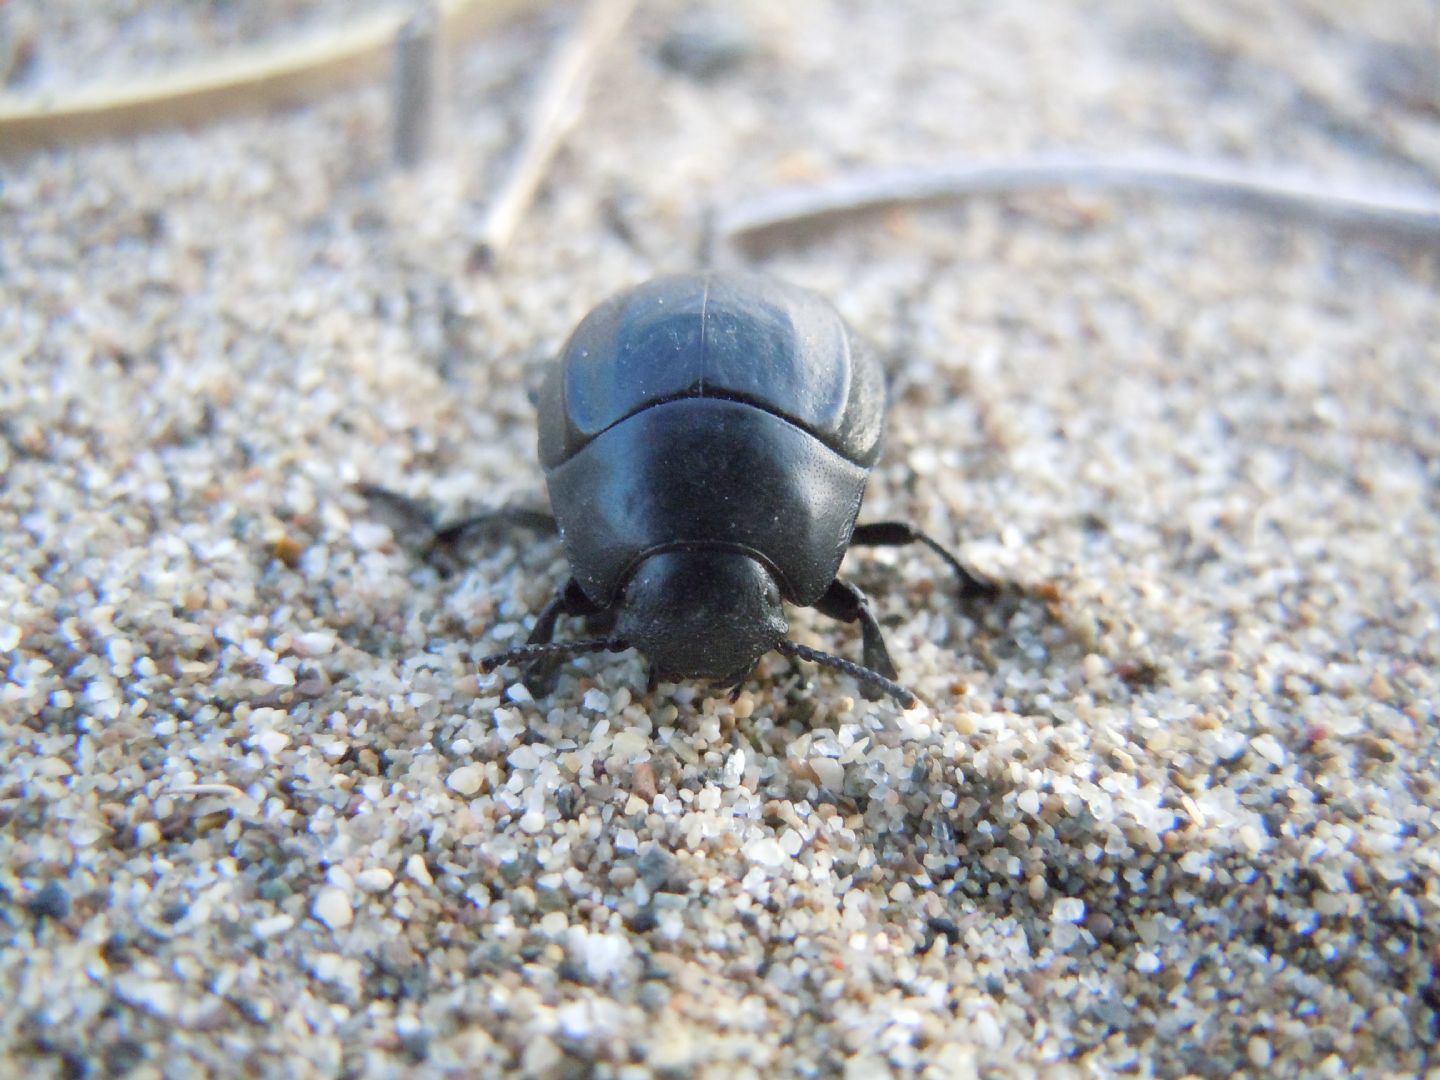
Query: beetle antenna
906, 699
525, 653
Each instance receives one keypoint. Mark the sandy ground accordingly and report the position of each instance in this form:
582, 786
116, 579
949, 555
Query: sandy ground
1172, 808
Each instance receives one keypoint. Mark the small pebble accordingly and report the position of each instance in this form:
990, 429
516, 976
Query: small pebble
631, 743
270, 742
707, 43
332, 907
524, 757
375, 880
642, 781
655, 866
541, 1057
766, 851
986, 1030
1269, 748
1068, 909
830, 773
274, 926
466, 780
1258, 1051
417, 870
50, 902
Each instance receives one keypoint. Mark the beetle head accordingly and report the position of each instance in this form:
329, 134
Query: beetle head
702, 614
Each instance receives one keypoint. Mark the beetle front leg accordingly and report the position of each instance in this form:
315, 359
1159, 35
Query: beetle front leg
845, 602
897, 534
539, 676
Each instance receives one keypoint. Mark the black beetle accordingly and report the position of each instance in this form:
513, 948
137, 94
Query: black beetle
706, 439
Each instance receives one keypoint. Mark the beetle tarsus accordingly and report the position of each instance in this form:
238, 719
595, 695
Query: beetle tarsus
737, 684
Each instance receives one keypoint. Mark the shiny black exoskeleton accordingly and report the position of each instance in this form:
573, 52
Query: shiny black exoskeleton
706, 439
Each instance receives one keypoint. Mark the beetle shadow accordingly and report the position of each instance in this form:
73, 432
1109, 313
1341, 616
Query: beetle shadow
979, 856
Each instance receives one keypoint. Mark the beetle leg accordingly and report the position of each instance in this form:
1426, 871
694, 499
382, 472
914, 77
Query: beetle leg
539, 677
897, 533
845, 602
506, 516
414, 523
736, 684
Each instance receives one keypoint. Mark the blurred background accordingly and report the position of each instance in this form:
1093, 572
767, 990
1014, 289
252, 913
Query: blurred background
1171, 809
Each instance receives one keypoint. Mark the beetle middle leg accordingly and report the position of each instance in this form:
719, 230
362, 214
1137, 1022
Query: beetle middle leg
845, 602
539, 677
898, 534
505, 517
416, 524
446, 541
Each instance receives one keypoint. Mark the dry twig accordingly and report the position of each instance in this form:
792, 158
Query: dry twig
1412, 215
415, 84
556, 108
241, 81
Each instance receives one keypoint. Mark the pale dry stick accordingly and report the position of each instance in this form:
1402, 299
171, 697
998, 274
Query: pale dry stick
1435, 50
240, 81
1413, 215
415, 84
555, 111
